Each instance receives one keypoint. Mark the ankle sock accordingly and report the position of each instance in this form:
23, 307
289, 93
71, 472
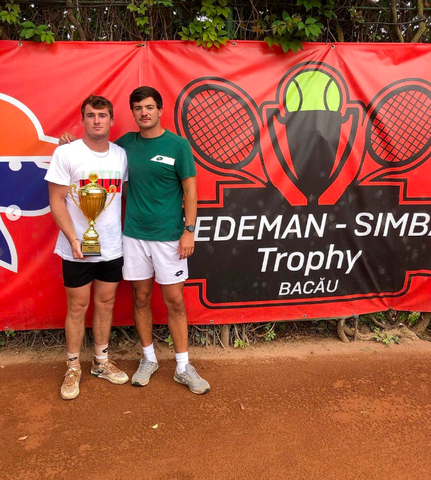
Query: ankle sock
101, 352
149, 353
182, 360
73, 360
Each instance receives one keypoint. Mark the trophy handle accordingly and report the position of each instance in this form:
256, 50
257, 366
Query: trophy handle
113, 190
72, 190
351, 159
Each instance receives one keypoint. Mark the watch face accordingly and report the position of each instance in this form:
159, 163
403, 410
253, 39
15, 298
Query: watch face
189, 228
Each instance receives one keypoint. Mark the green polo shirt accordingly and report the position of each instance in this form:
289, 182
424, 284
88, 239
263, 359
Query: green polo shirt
155, 194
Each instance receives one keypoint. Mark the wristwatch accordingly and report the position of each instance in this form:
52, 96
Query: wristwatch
189, 228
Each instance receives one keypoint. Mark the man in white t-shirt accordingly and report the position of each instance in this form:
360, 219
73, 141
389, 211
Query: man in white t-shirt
72, 164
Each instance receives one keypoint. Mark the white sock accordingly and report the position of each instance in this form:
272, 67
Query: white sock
149, 353
73, 360
101, 352
182, 360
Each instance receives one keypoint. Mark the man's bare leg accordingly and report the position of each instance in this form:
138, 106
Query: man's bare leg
142, 291
177, 318
78, 300
77, 305
104, 299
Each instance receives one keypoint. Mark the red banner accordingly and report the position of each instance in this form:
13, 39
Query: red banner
313, 169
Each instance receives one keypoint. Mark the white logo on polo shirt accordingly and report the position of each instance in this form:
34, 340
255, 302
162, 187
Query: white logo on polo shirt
162, 159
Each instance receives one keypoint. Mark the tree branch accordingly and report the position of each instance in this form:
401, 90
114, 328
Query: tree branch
422, 25
74, 21
395, 20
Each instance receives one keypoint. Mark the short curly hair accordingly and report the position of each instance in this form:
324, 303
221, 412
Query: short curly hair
98, 103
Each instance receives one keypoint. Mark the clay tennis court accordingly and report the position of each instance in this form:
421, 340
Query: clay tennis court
310, 409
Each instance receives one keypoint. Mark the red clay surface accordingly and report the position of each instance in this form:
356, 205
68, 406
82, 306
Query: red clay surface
306, 410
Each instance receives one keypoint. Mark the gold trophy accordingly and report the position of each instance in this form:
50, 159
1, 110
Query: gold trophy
92, 199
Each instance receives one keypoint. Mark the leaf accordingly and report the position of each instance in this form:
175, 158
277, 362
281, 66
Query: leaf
269, 41
315, 30
296, 45
27, 33
285, 45
28, 25
40, 29
156, 425
329, 14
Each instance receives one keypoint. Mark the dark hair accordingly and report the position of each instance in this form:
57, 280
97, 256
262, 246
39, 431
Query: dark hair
98, 103
141, 93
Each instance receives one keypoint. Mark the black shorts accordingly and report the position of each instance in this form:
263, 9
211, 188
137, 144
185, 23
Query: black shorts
78, 274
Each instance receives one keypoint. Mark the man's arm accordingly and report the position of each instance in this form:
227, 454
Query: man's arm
125, 190
66, 138
57, 202
186, 245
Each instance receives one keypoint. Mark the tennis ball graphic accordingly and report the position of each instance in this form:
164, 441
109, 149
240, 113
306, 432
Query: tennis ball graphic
313, 90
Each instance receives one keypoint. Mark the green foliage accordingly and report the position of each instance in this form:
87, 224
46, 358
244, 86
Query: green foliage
412, 318
269, 334
169, 340
385, 337
202, 336
29, 31
286, 24
37, 34
290, 31
208, 28
143, 12
240, 343
6, 336
12, 13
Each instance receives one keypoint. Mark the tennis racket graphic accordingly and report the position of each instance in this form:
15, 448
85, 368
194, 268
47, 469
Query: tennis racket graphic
221, 122
398, 131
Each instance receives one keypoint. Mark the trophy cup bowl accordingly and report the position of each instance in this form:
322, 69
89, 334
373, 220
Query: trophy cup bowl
91, 201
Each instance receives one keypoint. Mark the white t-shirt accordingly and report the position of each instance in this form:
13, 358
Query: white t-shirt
71, 164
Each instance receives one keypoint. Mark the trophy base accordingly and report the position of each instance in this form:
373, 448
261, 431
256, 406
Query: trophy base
92, 250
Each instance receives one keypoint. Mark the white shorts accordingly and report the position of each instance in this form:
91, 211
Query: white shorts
143, 259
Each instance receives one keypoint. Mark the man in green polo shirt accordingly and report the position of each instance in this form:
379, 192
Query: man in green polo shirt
156, 242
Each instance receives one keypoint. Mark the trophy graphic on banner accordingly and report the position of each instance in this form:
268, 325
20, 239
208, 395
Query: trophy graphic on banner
92, 200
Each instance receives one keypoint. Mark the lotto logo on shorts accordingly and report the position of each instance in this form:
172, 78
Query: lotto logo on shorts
179, 273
